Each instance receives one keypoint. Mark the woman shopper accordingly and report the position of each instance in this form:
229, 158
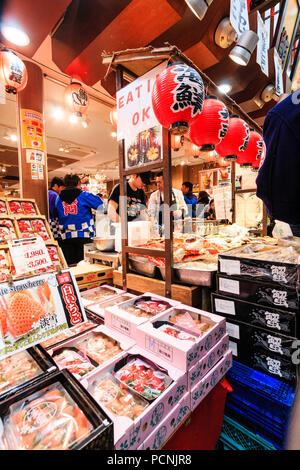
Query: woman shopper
74, 208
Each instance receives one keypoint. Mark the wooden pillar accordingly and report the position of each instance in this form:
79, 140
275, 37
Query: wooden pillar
33, 184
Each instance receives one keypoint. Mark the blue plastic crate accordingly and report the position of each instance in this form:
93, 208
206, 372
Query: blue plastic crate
237, 437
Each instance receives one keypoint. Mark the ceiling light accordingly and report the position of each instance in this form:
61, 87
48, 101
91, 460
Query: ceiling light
73, 118
67, 150
58, 114
182, 163
198, 7
246, 44
3, 169
225, 34
13, 137
84, 124
15, 35
61, 149
225, 88
113, 134
268, 93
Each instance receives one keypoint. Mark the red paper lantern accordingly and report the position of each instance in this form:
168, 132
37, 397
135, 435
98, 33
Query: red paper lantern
113, 117
13, 72
211, 126
177, 97
258, 162
176, 141
76, 99
253, 151
236, 139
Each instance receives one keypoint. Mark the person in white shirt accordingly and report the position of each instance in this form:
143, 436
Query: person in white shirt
156, 201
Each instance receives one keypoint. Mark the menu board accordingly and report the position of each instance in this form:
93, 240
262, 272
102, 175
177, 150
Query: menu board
223, 202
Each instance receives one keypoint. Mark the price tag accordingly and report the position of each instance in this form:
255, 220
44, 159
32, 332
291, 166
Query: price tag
227, 285
29, 255
233, 330
225, 306
230, 266
233, 347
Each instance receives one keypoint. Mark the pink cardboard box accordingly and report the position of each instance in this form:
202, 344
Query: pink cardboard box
117, 318
168, 426
208, 361
90, 292
183, 354
129, 434
99, 307
202, 388
124, 342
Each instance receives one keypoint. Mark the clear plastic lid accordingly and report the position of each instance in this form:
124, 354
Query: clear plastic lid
98, 308
177, 332
98, 346
146, 307
16, 370
76, 362
118, 399
99, 293
144, 378
87, 325
192, 322
46, 420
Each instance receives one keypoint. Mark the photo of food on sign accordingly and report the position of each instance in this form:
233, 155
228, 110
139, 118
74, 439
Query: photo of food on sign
144, 148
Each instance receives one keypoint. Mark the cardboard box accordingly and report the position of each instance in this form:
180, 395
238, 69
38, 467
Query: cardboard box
183, 354
270, 295
91, 272
168, 426
202, 388
280, 321
116, 317
208, 361
128, 434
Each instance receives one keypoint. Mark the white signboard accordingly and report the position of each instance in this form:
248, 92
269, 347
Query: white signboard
262, 46
239, 16
223, 202
278, 74
29, 255
35, 156
134, 105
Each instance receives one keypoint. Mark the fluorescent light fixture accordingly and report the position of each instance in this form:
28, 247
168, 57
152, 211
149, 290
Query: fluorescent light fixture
15, 35
246, 44
225, 88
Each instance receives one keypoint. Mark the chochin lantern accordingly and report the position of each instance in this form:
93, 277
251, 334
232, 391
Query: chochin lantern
211, 126
177, 97
235, 140
259, 161
176, 141
113, 117
13, 72
253, 151
76, 99
195, 151
222, 161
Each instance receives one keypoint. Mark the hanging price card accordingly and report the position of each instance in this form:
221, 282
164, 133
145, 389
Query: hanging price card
29, 255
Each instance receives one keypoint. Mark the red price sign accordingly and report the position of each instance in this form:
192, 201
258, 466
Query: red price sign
29, 255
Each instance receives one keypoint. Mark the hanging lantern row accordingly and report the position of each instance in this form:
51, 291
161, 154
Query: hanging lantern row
13, 72
253, 150
76, 99
177, 142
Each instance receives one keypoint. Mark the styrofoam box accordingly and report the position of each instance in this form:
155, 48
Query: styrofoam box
114, 293
99, 307
125, 344
208, 361
184, 354
130, 434
202, 388
117, 318
168, 426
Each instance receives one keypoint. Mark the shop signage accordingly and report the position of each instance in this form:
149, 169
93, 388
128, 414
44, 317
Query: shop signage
35, 156
239, 16
262, 46
134, 105
36, 309
278, 74
222, 196
29, 255
32, 130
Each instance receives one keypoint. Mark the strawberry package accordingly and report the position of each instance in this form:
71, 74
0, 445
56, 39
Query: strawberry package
144, 378
195, 325
30, 227
22, 207
174, 331
77, 362
147, 307
3, 209
7, 230
71, 332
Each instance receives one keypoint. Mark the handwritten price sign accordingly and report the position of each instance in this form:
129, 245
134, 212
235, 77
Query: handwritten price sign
29, 254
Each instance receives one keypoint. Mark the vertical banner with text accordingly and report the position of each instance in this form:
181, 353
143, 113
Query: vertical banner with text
262, 46
239, 16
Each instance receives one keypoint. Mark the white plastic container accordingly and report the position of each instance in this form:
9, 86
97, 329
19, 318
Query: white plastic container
138, 233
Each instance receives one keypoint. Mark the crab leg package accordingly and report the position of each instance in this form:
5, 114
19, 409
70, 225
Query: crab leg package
33, 310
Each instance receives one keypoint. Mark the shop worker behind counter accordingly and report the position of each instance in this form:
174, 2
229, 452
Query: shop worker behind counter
74, 208
278, 178
136, 198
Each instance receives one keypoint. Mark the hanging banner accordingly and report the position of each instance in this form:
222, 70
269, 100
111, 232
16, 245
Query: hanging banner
36, 309
278, 74
32, 130
35, 156
134, 105
239, 16
262, 46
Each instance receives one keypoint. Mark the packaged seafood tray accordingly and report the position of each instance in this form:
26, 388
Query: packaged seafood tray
23, 369
3, 207
280, 321
99, 308
99, 294
261, 293
205, 385
55, 414
137, 392
91, 350
262, 350
168, 426
126, 317
22, 206
197, 273
181, 336
30, 226
73, 332
8, 230
258, 261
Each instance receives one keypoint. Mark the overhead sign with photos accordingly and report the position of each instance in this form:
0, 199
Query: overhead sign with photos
32, 130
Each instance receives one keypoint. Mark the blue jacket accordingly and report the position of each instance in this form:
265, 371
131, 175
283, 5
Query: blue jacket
191, 201
52, 196
74, 208
278, 180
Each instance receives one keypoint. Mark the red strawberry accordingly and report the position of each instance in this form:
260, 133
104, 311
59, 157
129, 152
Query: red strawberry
3, 324
22, 313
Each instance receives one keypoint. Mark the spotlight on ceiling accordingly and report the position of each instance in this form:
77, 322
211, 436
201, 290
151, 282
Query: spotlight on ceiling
113, 134
15, 35
245, 45
225, 88
268, 93
199, 7
13, 137
225, 34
